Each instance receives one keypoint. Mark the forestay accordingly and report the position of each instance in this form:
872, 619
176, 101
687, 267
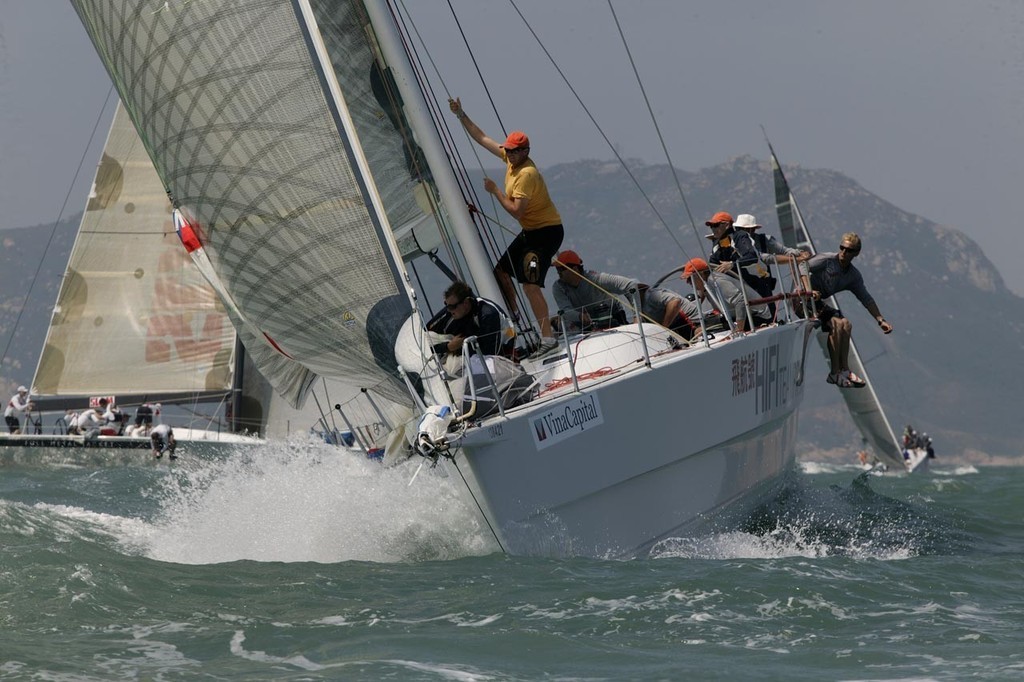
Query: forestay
286, 166
133, 315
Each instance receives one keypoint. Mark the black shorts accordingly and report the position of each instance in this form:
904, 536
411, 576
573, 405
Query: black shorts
12, 423
825, 315
530, 254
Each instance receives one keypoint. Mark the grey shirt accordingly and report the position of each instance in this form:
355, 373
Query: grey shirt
728, 288
599, 300
828, 277
571, 300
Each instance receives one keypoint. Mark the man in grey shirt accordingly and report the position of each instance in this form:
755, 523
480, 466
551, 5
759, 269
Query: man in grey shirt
831, 273
587, 299
727, 292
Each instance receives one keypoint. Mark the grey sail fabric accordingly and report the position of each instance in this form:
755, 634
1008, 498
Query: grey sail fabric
134, 316
235, 112
863, 405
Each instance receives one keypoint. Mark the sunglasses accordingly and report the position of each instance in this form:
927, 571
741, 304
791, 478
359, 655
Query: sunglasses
453, 306
516, 150
849, 249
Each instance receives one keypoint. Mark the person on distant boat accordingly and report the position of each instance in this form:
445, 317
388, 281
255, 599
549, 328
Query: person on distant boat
586, 298
143, 421
90, 422
830, 273
725, 292
526, 199
162, 440
464, 315
19, 402
112, 417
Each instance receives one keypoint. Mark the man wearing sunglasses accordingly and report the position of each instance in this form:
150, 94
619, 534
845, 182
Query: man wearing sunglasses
830, 273
464, 315
525, 197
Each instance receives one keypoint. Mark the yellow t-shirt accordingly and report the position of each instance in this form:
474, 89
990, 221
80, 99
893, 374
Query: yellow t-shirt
527, 182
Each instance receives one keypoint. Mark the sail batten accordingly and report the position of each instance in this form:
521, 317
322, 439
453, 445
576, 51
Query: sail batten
863, 405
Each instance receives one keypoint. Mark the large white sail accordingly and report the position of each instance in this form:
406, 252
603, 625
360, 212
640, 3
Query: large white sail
133, 315
863, 404
269, 167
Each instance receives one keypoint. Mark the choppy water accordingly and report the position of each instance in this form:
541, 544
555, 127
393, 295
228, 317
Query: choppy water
293, 562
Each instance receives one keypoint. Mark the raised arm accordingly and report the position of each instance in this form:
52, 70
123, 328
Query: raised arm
474, 130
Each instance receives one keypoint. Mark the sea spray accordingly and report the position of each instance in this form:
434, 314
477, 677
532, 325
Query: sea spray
302, 500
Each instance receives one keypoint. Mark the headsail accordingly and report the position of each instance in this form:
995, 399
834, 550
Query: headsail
133, 316
863, 404
272, 153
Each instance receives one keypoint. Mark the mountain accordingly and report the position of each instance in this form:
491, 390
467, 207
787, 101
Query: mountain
22, 252
931, 281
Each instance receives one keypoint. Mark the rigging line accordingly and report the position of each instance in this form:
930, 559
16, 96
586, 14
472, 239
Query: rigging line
600, 130
476, 66
448, 139
53, 230
657, 128
403, 20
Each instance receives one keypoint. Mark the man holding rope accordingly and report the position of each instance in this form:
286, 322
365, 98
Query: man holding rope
525, 197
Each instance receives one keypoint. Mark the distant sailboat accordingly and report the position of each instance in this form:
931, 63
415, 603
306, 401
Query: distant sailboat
136, 320
864, 407
299, 144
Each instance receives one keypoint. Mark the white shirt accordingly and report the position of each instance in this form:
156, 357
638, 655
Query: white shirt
89, 420
16, 404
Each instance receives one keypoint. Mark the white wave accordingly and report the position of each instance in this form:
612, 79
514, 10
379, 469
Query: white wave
780, 544
302, 500
812, 468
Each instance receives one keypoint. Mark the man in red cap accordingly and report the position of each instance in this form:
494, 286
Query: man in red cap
579, 291
585, 298
525, 197
725, 293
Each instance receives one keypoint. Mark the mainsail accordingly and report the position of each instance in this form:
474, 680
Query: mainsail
284, 166
133, 317
863, 404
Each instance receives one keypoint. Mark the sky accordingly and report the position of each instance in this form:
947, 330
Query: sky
920, 101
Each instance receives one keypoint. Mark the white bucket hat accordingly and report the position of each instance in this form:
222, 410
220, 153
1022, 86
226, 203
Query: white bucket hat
22, 389
746, 221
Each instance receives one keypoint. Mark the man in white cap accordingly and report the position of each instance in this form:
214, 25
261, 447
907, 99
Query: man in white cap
769, 247
19, 402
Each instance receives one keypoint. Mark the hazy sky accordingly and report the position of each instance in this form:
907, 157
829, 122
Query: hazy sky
921, 101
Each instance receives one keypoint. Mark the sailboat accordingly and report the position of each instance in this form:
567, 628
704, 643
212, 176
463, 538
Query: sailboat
863, 404
302, 151
136, 322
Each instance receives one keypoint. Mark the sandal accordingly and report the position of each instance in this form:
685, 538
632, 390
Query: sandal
840, 380
853, 380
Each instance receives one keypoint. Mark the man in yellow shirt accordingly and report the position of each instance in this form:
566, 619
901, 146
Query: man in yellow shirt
525, 197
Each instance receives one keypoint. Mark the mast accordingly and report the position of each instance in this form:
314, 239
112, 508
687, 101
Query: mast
418, 114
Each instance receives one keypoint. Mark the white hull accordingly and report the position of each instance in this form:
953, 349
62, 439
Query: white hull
190, 441
657, 451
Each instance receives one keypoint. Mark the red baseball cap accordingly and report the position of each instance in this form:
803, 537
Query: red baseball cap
516, 139
567, 257
693, 265
720, 217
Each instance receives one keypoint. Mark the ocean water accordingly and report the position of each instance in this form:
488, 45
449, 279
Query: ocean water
297, 562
